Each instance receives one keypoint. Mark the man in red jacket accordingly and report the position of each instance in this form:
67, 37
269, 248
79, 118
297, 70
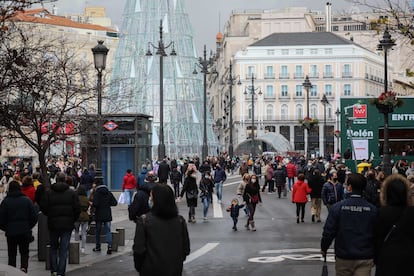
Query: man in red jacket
129, 185
291, 173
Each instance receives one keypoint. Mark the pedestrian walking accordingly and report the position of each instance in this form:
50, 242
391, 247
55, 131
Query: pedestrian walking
332, 191
129, 186
191, 193
139, 205
206, 194
269, 178
17, 218
61, 206
219, 178
161, 241
82, 222
234, 210
315, 182
394, 225
142, 175
163, 171
252, 197
351, 223
279, 177
291, 172
103, 200
300, 193
241, 188
176, 181
27, 188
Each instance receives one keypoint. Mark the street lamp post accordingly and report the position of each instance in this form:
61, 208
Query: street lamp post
204, 65
337, 113
386, 43
253, 92
100, 53
307, 85
325, 102
231, 81
161, 52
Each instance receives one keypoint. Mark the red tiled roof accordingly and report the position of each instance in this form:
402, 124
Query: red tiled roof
33, 16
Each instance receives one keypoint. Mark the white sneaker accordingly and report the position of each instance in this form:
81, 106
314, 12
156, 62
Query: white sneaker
83, 250
219, 201
204, 218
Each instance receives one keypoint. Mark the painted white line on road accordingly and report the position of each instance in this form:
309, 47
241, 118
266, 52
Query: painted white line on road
292, 250
200, 252
217, 211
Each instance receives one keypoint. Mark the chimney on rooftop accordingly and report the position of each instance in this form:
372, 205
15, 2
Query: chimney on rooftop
328, 16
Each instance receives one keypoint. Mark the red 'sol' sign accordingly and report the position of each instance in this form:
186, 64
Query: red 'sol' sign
360, 111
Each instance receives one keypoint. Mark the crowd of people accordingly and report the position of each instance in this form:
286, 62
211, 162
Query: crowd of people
367, 214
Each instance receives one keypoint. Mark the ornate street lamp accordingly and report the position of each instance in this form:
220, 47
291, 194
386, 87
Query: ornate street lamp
161, 52
386, 43
325, 102
204, 64
253, 93
307, 85
100, 53
231, 81
337, 131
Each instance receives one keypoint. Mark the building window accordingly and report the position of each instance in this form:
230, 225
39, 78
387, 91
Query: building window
284, 112
313, 71
250, 71
347, 71
249, 111
270, 93
269, 73
328, 71
299, 52
284, 74
299, 92
298, 72
270, 52
313, 112
314, 90
285, 132
285, 52
269, 112
284, 92
299, 112
314, 51
270, 129
328, 51
328, 90
347, 90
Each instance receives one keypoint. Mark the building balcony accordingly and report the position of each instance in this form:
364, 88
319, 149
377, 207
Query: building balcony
284, 76
346, 75
328, 75
269, 76
313, 75
298, 76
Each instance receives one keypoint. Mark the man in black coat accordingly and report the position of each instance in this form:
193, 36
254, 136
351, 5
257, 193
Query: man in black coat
163, 171
139, 205
103, 200
61, 206
17, 218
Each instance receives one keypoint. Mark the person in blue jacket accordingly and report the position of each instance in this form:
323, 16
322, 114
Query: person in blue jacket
351, 223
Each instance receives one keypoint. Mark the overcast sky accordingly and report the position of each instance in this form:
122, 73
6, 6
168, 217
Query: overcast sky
207, 16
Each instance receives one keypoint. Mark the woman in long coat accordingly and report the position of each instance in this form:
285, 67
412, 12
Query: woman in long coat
191, 193
252, 197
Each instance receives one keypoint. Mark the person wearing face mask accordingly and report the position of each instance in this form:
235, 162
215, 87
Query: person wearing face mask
219, 178
206, 188
252, 197
332, 191
240, 190
191, 193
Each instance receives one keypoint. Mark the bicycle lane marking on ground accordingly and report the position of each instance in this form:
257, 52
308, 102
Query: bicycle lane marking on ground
200, 252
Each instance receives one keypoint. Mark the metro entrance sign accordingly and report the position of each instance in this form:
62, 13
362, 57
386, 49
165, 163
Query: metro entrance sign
365, 128
110, 125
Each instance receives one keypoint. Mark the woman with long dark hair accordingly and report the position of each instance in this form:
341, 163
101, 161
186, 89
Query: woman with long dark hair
156, 250
252, 197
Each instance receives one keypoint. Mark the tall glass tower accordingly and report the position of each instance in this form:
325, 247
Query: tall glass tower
135, 82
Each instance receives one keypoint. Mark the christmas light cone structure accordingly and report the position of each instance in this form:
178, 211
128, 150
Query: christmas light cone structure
136, 76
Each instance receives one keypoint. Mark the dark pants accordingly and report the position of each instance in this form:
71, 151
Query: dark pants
21, 241
59, 246
300, 207
271, 185
176, 185
235, 220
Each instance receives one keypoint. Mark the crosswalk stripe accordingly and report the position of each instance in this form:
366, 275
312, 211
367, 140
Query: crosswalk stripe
203, 250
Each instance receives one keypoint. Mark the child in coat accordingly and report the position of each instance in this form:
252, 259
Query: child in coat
234, 211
